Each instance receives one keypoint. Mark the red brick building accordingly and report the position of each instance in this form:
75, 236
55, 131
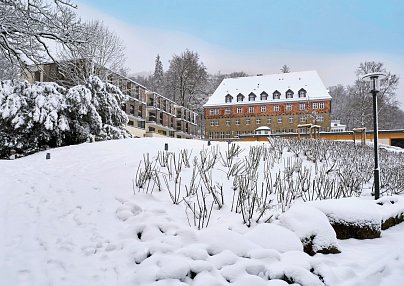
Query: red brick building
280, 101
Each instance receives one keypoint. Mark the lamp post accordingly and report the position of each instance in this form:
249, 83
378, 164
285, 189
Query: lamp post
374, 79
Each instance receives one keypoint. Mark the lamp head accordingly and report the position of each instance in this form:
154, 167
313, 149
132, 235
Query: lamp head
374, 79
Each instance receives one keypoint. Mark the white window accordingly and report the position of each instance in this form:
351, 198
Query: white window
269, 120
320, 118
290, 119
258, 121
248, 121
212, 123
221, 135
288, 107
212, 112
228, 134
210, 135
276, 108
227, 110
239, 110
237, 121
289, 94
315, 105
251, 109
217, 122
279, 120
228, 122
263, 108
321, 105
302, 119
302, 106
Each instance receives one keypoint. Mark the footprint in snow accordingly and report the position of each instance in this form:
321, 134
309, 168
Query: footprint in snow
128, 210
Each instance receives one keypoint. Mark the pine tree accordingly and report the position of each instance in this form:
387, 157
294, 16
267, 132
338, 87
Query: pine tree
158, 76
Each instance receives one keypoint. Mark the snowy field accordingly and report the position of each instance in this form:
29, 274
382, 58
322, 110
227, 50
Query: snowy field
79, 219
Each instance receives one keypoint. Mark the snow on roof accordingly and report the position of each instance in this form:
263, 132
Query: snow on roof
263, 128
308, 80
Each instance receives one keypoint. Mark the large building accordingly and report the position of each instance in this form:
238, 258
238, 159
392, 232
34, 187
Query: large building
150, 114
279, 101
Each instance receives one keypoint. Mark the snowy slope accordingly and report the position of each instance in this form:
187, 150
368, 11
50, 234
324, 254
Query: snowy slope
76, 220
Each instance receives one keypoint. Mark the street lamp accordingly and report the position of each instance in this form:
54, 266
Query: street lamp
374, 79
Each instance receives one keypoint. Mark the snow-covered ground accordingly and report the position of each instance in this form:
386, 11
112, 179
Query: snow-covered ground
77, 219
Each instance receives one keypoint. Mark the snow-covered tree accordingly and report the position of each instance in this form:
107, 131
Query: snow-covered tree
185, 78
101, 52
33, 116
28, 27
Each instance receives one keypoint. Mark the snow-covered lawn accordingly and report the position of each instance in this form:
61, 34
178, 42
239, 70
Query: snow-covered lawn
77, 219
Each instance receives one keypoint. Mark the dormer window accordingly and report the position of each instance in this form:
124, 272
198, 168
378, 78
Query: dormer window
289, 93
276, 94
240, 97
264, 95
251, 97
228, 98
302, 92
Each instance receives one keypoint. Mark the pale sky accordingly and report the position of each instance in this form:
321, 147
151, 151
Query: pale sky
259, 36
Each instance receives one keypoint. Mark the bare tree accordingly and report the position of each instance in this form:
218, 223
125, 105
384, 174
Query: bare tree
185, 78
102, 51
29, 27
285, 69
8, 70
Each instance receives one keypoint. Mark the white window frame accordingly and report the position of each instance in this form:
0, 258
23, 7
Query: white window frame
321, 105
263, 108
288, 107
227, 110
279, 120
269, 121
247, 121
315, 105
212, 123
239, 110
237, 121
258, 121
251, 109
276, 108
228, 122
302, 106
290, 119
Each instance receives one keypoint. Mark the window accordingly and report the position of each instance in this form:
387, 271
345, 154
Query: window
216, 111
302, 106
315, 105
251, 109
132, 109
264, 96
239, 110
251, 97
321, 105
227, 110
258, 121
210, 135
228, 122
237, 121
131, 123
290, 119
277, 95
289, 93
302, 92
276, 108
217, 122
240, 97
228, 98
320, 118
279, 120
238, 133
221, 135
302, 119
269, 120
228, 134
212, 123
263, 108
288, 107
212, 112
248, 121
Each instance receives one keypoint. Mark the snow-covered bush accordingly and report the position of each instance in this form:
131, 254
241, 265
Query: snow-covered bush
33, 116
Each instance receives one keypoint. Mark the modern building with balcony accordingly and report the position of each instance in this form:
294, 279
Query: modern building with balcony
150, 114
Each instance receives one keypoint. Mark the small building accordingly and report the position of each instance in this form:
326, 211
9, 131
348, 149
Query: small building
263, 130
336, 126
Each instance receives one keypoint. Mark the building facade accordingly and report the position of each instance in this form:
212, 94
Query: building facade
280, 101
150, 114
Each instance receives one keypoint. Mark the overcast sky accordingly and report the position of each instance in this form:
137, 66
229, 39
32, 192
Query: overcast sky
259, 36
